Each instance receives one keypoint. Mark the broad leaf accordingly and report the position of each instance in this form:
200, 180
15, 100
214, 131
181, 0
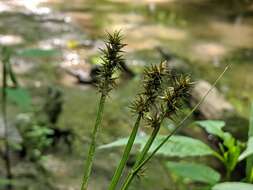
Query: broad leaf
195, 172
20, 96
123, 142
233, 186
38, 52
249, 149
178, 146
212, 127
181, 146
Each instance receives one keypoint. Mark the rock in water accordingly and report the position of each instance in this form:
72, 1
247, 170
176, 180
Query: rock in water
215, 106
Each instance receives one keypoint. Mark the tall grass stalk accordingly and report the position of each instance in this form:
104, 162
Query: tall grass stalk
136, 169
92, 148
111, 61
126, 153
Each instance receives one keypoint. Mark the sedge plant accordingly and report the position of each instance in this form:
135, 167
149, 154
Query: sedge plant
111, 62
152, 84
146, 158
161, 97
166, 106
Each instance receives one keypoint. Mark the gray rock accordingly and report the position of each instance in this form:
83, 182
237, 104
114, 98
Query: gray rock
215, 106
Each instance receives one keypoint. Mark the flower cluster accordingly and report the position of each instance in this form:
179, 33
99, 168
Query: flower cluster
174, 96
171, 96
111, 61
152, 83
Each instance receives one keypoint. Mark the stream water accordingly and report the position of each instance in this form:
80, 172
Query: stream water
209, 33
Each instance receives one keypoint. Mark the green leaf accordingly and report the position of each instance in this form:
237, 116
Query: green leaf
248, 151
19, 96
213, 127
178, 146
38, 52
233, 186
181, 146
123, 142
195, 172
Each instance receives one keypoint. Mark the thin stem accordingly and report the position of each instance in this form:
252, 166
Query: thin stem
147, 146
178, 127
92, 148
126, 154
218, 156
142, 155
6, 134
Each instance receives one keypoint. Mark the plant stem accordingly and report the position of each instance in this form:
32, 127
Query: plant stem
92, 148
228, 174
178, 127
147, 146
249, 161
6, 134
142, 155
125, 156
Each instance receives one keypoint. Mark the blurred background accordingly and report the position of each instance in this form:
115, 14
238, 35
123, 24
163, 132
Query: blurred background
54, 48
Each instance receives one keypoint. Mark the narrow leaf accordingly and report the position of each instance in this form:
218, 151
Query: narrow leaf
195, 172
248, 151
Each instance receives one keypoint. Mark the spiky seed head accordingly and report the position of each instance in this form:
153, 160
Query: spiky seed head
152, 82
112, 60
154, 120
173, 96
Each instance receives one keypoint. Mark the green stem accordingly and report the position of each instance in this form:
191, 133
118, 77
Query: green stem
142, 155
228, 174
178, 127
147, 146
6, 134
125, 156
218, 156
92, 148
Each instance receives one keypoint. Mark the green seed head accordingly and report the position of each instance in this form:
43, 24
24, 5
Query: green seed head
111, 61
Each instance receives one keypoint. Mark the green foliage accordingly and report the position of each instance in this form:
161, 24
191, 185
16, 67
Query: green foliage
19, 96
35, 136
34, 52
248, 151
212, 127
233, 186
230, 148
178, 146
195, 172
4, 182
